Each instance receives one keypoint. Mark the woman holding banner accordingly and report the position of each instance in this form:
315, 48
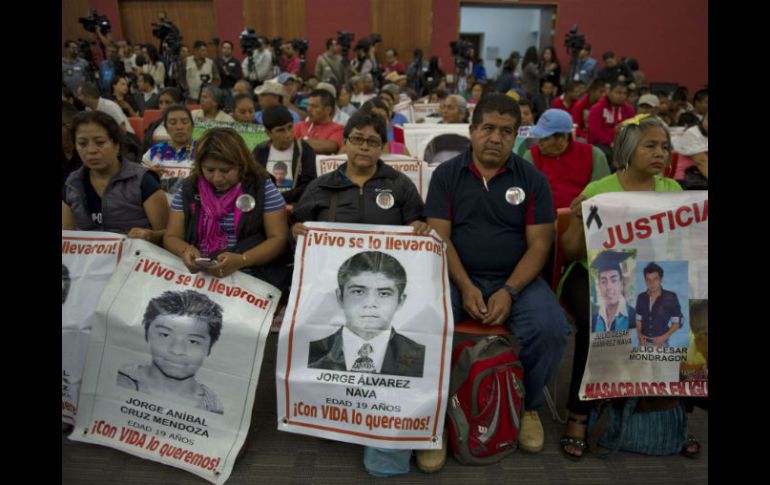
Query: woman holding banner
106, 193
228, 215
642, 150
367, 191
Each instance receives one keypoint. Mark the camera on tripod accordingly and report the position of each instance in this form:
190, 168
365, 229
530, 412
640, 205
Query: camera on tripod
249, 42
461, 50
574, 42
345, 39
169, 35
95, 20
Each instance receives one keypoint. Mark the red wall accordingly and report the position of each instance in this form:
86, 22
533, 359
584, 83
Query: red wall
668, 38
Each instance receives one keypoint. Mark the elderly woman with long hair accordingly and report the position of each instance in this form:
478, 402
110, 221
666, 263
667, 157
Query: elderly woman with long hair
642, 150
107, 193
212, 102
229, 211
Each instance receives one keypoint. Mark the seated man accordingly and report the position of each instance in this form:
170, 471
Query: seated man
495, 213
568, 164
89, 95
271, 94
371, 290
320, 132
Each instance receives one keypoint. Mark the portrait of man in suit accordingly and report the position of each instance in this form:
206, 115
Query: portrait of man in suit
370, 290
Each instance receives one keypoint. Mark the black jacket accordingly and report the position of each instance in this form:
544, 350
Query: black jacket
302, 173
334, 198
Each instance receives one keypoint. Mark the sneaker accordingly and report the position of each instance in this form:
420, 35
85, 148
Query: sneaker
531, 433
431, 461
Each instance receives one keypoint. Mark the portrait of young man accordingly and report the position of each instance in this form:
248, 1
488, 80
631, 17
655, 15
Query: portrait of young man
181, 327
370, 290
613, 312
658, 311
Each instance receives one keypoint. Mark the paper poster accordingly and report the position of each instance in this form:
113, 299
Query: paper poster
173, 362
417, 170
364, 352
172, 175
252, 134
648, 277
436, 143
404, 107
424, 110
282, 171
87, 261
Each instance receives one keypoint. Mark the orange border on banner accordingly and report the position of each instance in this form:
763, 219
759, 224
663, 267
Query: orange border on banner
291, 341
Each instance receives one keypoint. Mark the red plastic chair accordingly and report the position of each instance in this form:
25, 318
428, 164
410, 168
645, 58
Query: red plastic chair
670, 171
137, 125
193, 106
150, 115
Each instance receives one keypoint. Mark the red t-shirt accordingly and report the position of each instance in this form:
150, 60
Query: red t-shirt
398, 67
326, 131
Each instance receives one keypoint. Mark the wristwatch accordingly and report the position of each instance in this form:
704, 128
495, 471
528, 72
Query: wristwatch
513, 292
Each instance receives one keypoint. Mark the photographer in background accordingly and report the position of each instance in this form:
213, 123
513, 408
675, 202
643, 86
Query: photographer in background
199, 72
229, 71
415, 75
257, 65
329, 65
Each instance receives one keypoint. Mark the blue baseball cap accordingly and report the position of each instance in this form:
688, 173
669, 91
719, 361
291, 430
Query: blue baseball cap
552, 121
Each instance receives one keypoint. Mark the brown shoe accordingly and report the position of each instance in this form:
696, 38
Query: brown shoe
431, 461
531, 433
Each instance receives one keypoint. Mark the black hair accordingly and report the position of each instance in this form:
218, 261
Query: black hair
632, 64
275, 116
330, 42
361, 119
687, 119
199, 43
68, 42
376, 102
700, 95
326, 97
617, 83
496, 103
100, 118
148, 79
652, 267
608, 55
175, 107
395, 52
228, 42
280, 166
174, 92
90, 90
185, 303
374, 262
152, 53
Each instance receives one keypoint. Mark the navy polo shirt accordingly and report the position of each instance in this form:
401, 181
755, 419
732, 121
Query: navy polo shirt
488, 232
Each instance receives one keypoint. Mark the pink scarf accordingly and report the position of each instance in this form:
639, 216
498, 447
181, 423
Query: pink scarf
213, 209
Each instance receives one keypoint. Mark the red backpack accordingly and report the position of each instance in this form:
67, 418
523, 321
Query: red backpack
486, 394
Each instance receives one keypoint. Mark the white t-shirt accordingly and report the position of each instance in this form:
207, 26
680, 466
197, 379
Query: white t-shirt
111, 108
285, 157
340, 117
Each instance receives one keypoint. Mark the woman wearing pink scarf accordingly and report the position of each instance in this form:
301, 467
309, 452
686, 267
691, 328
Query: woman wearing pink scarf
230, 211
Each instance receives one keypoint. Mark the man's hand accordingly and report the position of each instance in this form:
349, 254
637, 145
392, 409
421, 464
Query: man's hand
576, 206
421, 228
499, 308
473, 303
659, 341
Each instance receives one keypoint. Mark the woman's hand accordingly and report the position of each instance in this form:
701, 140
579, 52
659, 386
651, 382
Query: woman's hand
228, 263
188, 258
140, 233
421, 228
576, 206
298, 229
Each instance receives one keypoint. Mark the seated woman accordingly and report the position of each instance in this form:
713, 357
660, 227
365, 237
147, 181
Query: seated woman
212, 101
244, 108
228, 210
119, 94
363, 190
693, 149
173, 159
380, 107
107, 194
642, 149
156, 132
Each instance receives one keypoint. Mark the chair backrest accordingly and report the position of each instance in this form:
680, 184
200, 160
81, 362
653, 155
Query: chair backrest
137, 125
670, 171
559, 259
150, 115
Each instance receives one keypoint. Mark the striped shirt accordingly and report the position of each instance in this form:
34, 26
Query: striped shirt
273, 202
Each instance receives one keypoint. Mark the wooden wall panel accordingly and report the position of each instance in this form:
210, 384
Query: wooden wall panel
276, 18
71, 10
196, 20
404, 25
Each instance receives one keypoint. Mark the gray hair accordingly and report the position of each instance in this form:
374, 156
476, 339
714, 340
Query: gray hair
628, 139
462, 104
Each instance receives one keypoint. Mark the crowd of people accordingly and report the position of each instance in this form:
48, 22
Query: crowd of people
592, 131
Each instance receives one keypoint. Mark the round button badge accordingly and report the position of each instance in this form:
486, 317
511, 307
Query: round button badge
385, 200
515, 195
245, 203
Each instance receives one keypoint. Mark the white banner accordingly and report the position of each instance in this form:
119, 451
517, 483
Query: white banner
405, 108
423, 110
87, 261
436, 143
364, 353
648, 267
417, 170
173, 363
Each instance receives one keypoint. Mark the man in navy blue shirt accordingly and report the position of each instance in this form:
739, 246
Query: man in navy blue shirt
495, 211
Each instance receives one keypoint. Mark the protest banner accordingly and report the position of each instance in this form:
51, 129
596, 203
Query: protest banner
404, 107
173, 362
364, 352
417, 170
252, 134
436, 143
648, 272
424, 110
88, 259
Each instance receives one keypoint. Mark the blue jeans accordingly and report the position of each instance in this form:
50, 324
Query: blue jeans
537, 321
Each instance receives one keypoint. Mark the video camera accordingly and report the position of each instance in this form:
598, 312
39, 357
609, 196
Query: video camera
169, 36
249, 42
574, 41
95, 20
345, 39
301, 46
461, 50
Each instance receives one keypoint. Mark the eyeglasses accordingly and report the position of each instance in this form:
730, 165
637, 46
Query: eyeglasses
359, 140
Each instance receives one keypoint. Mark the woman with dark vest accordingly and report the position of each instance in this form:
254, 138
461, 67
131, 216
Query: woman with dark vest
107, 194
230, 211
